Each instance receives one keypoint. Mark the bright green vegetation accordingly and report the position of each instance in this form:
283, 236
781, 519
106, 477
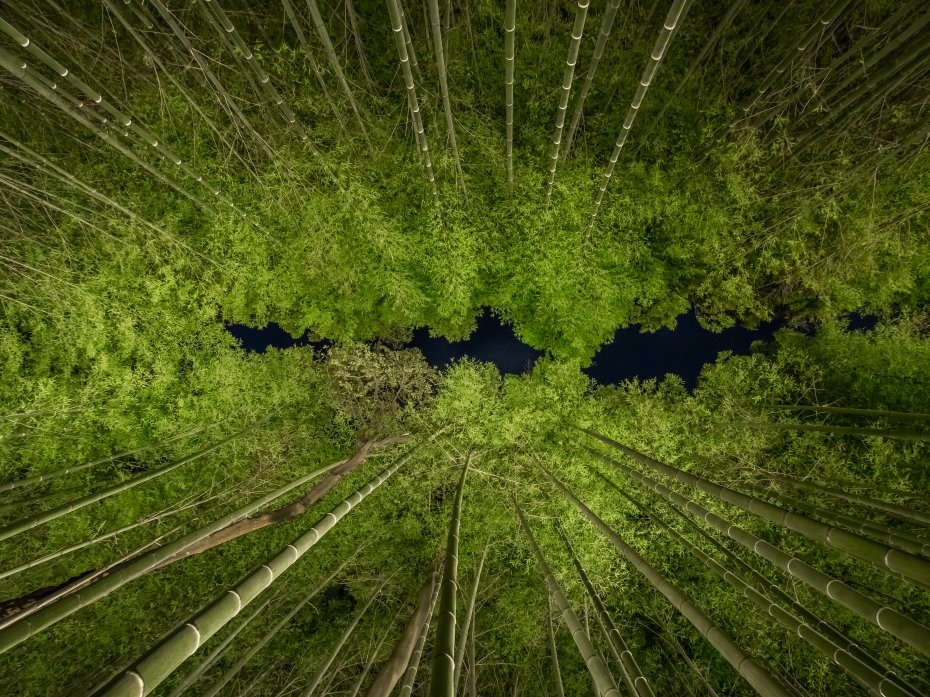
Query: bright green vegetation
181, 516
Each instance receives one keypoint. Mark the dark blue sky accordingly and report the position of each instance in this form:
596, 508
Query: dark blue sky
630, 355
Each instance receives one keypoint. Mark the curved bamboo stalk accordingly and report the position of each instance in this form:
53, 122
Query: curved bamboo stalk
469, 620
25, 524
321, 673
150, 670
510, 25
885, 618
581, 13
675, 15
268, 636
410, 674
603, 34
869, 679
415, 116
20, 628
603, 680
323, 34
217, 653
442, 677
908, 565
443, 83
631, 673
753, 673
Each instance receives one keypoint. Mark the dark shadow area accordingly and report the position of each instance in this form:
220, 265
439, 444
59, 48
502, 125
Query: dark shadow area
491, 342
683, 350
271, 335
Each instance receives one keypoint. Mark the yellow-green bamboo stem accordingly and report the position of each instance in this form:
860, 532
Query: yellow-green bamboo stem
443, 82
510, 25
410, 674
469, 620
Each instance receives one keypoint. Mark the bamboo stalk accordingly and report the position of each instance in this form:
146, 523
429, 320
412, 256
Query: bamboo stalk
410, 674
892, 560
581, 13
157, 664
510, 24
603, 680
553, 649
469, 620
357, 687
757, 676
443, 83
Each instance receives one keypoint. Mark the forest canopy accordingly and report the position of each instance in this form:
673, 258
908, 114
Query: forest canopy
183, 517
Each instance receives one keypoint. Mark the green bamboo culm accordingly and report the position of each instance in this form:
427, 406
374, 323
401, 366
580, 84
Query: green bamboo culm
885, 618
442, 678
553, 649
898, 433
410, 674
469, 620
855, 411
910, 566
632, 675
751, 671
871, 680
152, 669
603, 680
25, 524
510, 26
22, 626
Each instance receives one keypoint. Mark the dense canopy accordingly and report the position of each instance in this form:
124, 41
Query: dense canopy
182, 517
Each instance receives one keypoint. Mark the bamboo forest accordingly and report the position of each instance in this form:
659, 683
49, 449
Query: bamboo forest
343, 517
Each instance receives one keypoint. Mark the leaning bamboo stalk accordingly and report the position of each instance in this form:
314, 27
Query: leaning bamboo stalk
581, 13
908, 543
321, 673
885, 618
871, 680
410, 674
269, 635
510, 25
756, 675
469, 620
57, 554
31, 522
334, 63
149, 671
603, 680
357, 687
908, 565
443, 82
898, 433
852, 411
36, 479
442, 676
20, 628
603, 34
775, 591
408, 42
632, 675
886, 507
415, 115
218, 652
675, 15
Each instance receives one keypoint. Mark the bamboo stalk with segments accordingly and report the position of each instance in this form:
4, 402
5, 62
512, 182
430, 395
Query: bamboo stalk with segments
510, 26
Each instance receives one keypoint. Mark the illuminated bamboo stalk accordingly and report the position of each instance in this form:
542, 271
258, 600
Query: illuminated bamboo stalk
321, 673
21, 627
302, 40
323, 35
442, 676
510, 25
675, 15
775, 591
886, 507
31, 522
204, 66
217, 653
908, 565
553, 649
415, 116
603, 34
408, 42
581, 13
850, 411
443, 83
357, 687
632, 675
899, 433
153, 668
885, 618
410, 674
603, 680
469, 620
751, 671
57, 554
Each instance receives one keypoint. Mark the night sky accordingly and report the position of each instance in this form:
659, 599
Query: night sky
631, 355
